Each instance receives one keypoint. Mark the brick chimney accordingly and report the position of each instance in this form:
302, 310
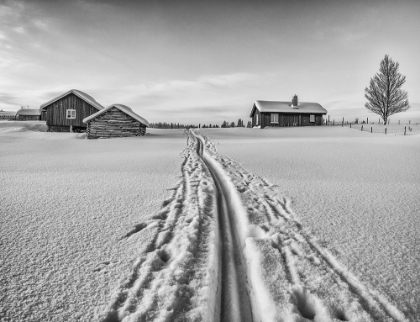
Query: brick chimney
295, 101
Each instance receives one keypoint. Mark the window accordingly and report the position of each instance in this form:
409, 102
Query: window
256, 119
274, 118
312, 118
70, 114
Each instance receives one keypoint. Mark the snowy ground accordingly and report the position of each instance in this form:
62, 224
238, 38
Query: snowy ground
357, 191
299, 224
66, 203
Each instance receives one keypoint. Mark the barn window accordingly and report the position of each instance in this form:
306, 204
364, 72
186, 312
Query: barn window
312, 118
256, 119
70, 114
274, 118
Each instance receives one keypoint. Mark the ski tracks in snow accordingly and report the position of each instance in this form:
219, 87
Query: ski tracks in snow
173, 280
228, 247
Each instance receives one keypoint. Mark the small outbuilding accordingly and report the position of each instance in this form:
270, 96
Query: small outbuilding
28, 114
7, 115
65, 113
292, 113
116, 120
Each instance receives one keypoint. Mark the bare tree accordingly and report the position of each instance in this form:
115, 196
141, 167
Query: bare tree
384, 94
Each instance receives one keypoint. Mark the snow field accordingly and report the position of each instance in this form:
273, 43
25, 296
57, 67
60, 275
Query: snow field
225, 245
317, 285
358, 192
66, 205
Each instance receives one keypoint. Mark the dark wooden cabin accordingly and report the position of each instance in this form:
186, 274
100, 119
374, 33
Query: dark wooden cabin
7, 115
292, 113
66, 112
28, 114
116, 120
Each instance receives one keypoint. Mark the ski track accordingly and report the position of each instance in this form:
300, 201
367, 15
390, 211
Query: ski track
228, 247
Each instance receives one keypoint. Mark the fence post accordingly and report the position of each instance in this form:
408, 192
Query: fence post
409, 121
350, 124
405, 130
385, 130
367, 120
370, 129
361, 128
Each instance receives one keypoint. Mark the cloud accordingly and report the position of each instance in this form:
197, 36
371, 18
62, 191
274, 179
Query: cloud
20, 30
207, 85
40, 24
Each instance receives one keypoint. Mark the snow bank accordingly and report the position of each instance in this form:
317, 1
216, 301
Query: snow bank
22, 126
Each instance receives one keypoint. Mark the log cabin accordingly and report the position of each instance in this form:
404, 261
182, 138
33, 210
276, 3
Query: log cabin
116, 120
65, 113
292, 113
28, 114
7, 115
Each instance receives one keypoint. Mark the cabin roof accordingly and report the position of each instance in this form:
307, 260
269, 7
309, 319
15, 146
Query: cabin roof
29, 111
286, 107
122, 108
11, 113
87, 98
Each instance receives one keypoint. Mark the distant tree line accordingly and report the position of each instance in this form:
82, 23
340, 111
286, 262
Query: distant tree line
164, 125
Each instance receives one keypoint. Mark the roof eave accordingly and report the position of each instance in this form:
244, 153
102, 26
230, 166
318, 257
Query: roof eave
254, 107
75, 92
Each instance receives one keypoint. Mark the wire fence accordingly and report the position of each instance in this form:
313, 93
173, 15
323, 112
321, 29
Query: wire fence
388, 129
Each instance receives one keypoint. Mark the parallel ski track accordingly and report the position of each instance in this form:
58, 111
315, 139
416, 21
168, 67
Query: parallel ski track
318, 283
235, 303
220, 220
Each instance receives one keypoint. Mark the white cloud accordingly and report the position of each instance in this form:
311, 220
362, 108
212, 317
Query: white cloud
20, 30
41, 24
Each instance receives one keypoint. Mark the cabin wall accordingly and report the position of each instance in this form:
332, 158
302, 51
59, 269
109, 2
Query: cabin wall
256, 118
288, 119
7, 117
56, 114
28, 117
114, 123
318, 119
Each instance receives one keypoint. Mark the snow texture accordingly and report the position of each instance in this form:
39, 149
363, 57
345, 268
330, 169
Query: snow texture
100, 230
356, 191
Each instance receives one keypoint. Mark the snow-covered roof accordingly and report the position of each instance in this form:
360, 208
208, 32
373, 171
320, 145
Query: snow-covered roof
87, 98
10, 113
29, 111
286, 107
122, 108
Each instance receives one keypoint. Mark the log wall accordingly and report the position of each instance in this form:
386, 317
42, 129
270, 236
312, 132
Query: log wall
28, 117
56, 113
114, 123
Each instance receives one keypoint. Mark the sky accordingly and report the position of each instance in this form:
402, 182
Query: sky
206, 61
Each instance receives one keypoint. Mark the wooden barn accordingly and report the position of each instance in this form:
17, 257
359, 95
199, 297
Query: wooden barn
7, 115
66, 112
292, 113
116, 120
28, 114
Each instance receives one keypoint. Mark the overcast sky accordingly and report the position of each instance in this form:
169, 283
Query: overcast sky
206, 61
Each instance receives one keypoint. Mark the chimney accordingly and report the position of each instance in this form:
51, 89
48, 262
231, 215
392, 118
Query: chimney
295, 101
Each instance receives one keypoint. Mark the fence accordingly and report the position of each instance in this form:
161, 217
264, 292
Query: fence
392, 129
388, 129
